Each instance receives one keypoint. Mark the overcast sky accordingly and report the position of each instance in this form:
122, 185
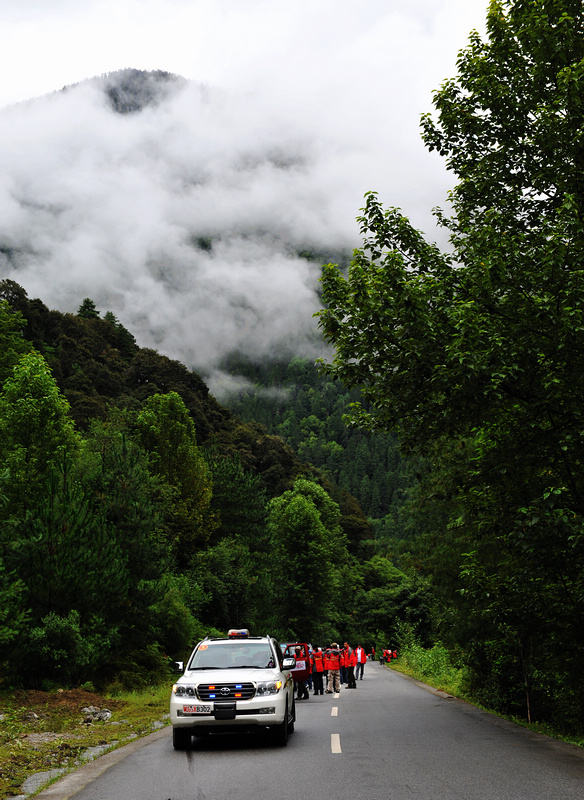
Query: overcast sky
337, 84
390, 49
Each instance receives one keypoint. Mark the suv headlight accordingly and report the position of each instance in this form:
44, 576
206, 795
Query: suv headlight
180, 690
269, 687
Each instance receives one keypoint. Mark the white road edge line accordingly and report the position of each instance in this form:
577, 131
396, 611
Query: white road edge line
336, 743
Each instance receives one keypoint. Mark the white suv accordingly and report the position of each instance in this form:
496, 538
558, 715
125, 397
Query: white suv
233, 683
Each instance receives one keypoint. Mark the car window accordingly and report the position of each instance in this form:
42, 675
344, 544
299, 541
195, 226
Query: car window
232, 655
278, 651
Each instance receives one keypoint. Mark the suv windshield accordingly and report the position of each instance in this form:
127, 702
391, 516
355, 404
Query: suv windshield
231, 655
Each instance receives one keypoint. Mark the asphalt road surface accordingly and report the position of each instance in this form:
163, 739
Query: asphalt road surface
389, 739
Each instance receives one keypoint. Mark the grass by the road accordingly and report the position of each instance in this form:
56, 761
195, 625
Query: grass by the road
43, 731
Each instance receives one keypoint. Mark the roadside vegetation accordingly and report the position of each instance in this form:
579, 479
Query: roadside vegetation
433, 666
45, 731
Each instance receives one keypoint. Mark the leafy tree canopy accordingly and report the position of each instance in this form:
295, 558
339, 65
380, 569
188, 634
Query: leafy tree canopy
439, 340
307, 543
35, 429
12, 342
476, 355
485, 341
167, 433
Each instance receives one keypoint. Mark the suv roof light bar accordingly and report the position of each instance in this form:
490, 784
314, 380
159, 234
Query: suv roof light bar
238, 633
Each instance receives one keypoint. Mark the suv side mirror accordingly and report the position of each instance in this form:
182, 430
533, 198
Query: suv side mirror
288, 663
179, 666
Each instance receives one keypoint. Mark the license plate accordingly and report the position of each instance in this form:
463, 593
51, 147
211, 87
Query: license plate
197, 709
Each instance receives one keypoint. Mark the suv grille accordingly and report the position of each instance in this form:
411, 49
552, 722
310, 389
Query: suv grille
226, 691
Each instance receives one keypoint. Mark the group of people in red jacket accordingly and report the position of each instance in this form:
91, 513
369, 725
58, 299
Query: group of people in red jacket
387, 655
337, 666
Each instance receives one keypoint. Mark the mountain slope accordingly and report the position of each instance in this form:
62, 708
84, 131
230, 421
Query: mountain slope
197, 218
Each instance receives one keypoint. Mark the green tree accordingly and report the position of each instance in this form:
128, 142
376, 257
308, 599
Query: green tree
67, 558
12, 343
93, 565
13, 611
87, 309
234, 573
167, 433
156, 608
35, 429
238, 501
231, 588
125, 342
476, 355
308, 548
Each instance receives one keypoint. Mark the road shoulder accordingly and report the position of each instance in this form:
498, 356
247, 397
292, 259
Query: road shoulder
70, 784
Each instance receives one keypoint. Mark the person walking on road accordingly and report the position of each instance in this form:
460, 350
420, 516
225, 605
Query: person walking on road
361, 657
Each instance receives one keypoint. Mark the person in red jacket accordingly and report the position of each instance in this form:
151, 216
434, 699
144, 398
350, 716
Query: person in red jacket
317, 670
350, 661
345, 664
361, 658
333, 659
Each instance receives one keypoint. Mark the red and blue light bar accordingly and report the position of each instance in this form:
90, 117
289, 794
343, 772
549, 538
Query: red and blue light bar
238, 633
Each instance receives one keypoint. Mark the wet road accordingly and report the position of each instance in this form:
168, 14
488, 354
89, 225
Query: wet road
389, 739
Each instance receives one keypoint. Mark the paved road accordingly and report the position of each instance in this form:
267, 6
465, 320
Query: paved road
390, 739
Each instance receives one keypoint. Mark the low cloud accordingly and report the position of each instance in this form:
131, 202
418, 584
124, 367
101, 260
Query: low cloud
201, 215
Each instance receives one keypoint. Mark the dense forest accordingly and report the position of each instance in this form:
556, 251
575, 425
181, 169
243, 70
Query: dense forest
307, 409
137, 514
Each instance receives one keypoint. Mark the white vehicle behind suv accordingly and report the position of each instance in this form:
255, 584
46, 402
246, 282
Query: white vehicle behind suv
234, 683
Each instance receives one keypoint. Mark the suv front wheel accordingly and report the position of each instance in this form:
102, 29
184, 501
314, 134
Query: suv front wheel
280, 732
181, 738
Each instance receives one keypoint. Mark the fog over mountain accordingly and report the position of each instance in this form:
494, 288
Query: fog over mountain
186, 210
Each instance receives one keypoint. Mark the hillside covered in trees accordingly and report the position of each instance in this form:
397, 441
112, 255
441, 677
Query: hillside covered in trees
307, 409
137, 514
